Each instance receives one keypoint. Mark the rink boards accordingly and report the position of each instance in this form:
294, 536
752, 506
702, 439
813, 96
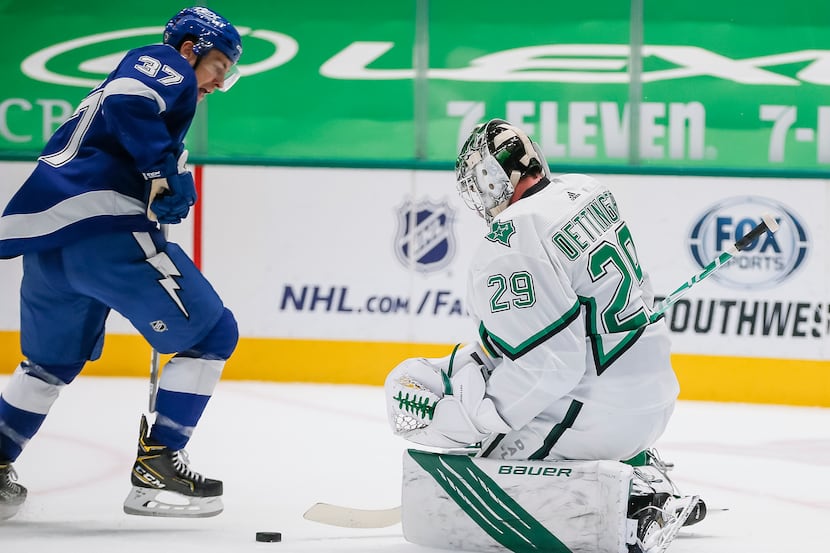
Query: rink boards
337, 275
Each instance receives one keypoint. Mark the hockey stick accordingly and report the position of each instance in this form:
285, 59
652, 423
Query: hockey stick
348, 517
154, 360
154, 379
768, 224
159, 187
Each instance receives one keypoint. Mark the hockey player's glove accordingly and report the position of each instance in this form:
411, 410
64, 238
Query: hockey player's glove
172, 195
442, 402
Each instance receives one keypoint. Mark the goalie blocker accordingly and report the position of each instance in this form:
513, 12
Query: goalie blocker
476, 504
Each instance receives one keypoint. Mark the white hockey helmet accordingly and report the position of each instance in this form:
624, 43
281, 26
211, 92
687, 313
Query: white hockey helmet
491, 162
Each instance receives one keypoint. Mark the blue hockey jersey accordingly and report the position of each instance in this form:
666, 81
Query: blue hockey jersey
94, 172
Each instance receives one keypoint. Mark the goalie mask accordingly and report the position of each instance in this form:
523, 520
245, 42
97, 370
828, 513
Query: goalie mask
208, 30
491, 162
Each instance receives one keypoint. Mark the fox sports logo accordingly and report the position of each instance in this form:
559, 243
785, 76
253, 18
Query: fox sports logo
768, 260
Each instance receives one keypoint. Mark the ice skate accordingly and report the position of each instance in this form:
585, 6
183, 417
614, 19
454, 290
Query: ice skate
659, 519
165, 486
12, 494
659, 507
653, 478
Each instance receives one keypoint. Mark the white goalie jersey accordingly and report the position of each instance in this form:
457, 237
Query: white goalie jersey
559, 295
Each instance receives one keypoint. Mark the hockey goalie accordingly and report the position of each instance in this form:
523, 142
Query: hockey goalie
540, 435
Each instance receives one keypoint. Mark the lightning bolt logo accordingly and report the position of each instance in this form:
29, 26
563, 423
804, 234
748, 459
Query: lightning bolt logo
164, 265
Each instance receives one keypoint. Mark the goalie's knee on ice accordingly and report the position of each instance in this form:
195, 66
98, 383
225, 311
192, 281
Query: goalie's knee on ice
480, 504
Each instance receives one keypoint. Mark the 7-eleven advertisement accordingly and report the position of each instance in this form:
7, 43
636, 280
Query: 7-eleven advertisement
401, 83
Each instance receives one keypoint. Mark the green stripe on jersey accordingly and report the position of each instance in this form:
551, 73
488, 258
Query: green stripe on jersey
514, 352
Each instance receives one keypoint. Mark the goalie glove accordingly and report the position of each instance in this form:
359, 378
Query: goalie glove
441, 402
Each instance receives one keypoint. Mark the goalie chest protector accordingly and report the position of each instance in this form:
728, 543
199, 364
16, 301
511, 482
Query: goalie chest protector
489, 505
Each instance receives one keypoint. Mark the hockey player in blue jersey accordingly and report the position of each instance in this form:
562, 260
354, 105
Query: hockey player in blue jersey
85, 222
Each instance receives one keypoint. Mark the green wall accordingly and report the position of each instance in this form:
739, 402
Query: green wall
709, 88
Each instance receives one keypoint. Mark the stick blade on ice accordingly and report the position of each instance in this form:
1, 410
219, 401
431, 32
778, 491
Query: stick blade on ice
348, 517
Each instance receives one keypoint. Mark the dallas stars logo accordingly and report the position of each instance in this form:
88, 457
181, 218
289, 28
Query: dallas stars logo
501, 231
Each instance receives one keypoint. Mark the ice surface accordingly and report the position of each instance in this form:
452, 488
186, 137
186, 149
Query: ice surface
281, 447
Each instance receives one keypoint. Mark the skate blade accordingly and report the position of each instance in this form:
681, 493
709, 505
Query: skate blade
161, 503
8, 511
660, 541
10, 508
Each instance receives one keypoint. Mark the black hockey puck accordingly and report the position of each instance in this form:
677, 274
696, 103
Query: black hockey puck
268, 536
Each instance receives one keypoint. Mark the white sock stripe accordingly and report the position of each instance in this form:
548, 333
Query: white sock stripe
161, 420
31, 394
9, 432
191, 376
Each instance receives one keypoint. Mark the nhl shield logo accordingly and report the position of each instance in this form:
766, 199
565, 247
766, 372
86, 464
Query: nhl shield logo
424, 240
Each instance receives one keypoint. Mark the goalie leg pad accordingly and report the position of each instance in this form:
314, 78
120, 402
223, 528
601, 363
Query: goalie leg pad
479, 504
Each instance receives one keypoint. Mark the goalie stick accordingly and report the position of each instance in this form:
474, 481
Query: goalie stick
349, 517
768, 223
